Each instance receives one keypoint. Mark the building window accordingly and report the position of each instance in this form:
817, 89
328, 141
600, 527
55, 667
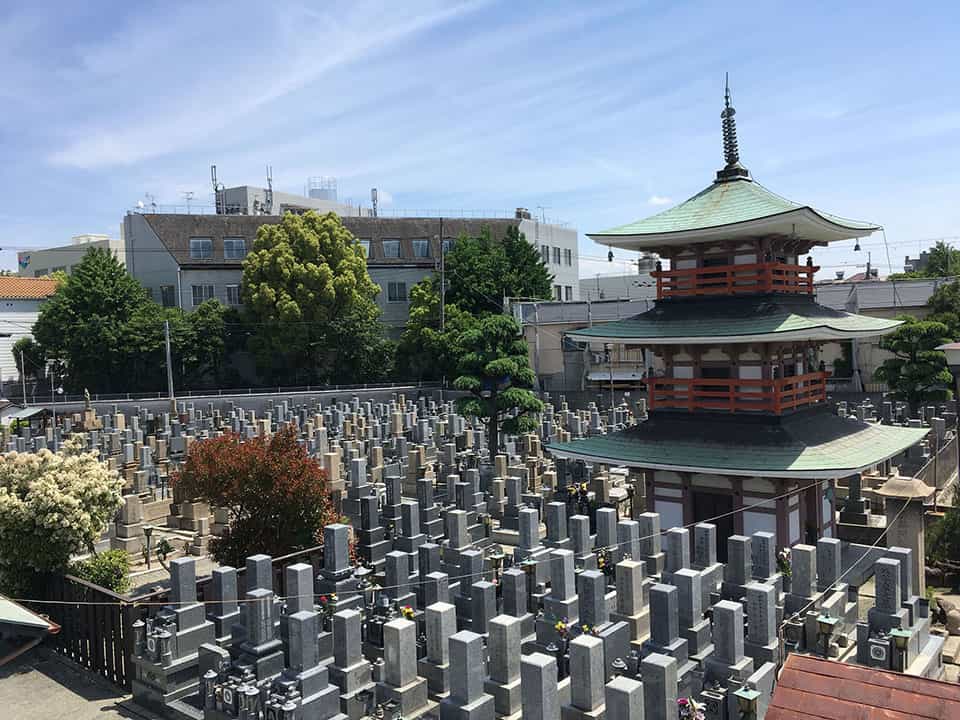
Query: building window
201, 248
557, 292
365, 246
545, 253
234, 248
391, 248
421, 248
39, 273
568, 257
168, 296
556, 256
397, 292
447, 245
568, 293
233, 295
201, 293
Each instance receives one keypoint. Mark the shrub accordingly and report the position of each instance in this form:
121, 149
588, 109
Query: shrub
108, 569
275, 492
52, 506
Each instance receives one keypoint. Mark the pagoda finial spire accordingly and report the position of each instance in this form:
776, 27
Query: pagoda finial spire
733, 170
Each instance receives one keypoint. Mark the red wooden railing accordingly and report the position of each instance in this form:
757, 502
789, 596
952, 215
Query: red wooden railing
738, 394
735, 280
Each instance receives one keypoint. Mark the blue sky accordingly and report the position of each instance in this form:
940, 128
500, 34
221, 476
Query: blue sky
602, 113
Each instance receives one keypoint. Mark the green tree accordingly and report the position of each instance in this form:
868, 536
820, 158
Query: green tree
84, 323
425, 352
482, 271
30, 357
52, 506
917, 372
943, 260
495, 371
944, 307
108, 333
312, 303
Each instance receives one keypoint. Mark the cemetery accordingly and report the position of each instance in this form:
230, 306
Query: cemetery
517, 585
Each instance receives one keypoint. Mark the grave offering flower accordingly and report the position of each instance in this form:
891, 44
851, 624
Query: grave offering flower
407, 612
783, 562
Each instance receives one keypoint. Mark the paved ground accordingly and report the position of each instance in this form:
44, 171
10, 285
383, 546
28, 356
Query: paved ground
40, 685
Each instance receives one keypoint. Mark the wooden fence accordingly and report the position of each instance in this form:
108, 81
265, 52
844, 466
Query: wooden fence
95, 623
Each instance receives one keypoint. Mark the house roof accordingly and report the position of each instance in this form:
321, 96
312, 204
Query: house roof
748, 318
21, 288
726, 210
13, 613
812, 443
814, 689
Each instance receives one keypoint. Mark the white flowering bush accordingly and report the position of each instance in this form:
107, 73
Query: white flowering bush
52, 506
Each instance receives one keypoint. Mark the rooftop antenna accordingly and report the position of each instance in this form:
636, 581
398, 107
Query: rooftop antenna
151, 200
733, 170
543, 216
268, 200
188, 196
373, 199
218, 199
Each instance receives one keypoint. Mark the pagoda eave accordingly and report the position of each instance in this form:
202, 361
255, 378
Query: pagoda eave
813, 335
804, 223
811, 444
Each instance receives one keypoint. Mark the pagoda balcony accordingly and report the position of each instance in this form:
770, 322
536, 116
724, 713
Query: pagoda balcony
755, 278
738, 394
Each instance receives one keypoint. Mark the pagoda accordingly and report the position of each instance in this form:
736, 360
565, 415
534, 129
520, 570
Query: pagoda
738, 424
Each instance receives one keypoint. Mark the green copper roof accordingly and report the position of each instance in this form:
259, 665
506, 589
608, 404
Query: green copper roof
811, 443
724, 203
731, 317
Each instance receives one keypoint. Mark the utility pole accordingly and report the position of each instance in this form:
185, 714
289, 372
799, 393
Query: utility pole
23, 378
443, 300
166, 337
53, 402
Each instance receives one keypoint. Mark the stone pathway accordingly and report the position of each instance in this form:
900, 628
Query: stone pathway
41, 685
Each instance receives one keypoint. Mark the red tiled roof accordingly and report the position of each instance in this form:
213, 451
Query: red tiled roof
20, 288
814, 689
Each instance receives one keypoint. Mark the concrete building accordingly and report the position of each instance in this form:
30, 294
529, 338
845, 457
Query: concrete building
38, 263
639, 285
20, 300
186, 259
251, 200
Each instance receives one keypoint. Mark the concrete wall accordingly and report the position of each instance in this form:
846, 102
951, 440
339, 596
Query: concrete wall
148, 260
219, 278
539, 234
607, 287
16, 318
37, 263
394, 314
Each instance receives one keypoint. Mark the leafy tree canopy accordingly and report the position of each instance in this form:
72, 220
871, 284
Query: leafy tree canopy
918, 371
52, 506
495, 371
944, 307
425, 352
306, 287
482, 271
276, 494
30, 357
108, 333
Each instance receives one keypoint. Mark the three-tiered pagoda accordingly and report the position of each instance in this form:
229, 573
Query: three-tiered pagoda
737, 397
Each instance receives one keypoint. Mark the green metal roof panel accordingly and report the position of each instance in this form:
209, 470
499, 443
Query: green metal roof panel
724, 203
730, 317
813, 442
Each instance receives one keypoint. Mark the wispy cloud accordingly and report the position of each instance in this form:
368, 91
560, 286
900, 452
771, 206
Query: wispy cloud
299, 49
659, 200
